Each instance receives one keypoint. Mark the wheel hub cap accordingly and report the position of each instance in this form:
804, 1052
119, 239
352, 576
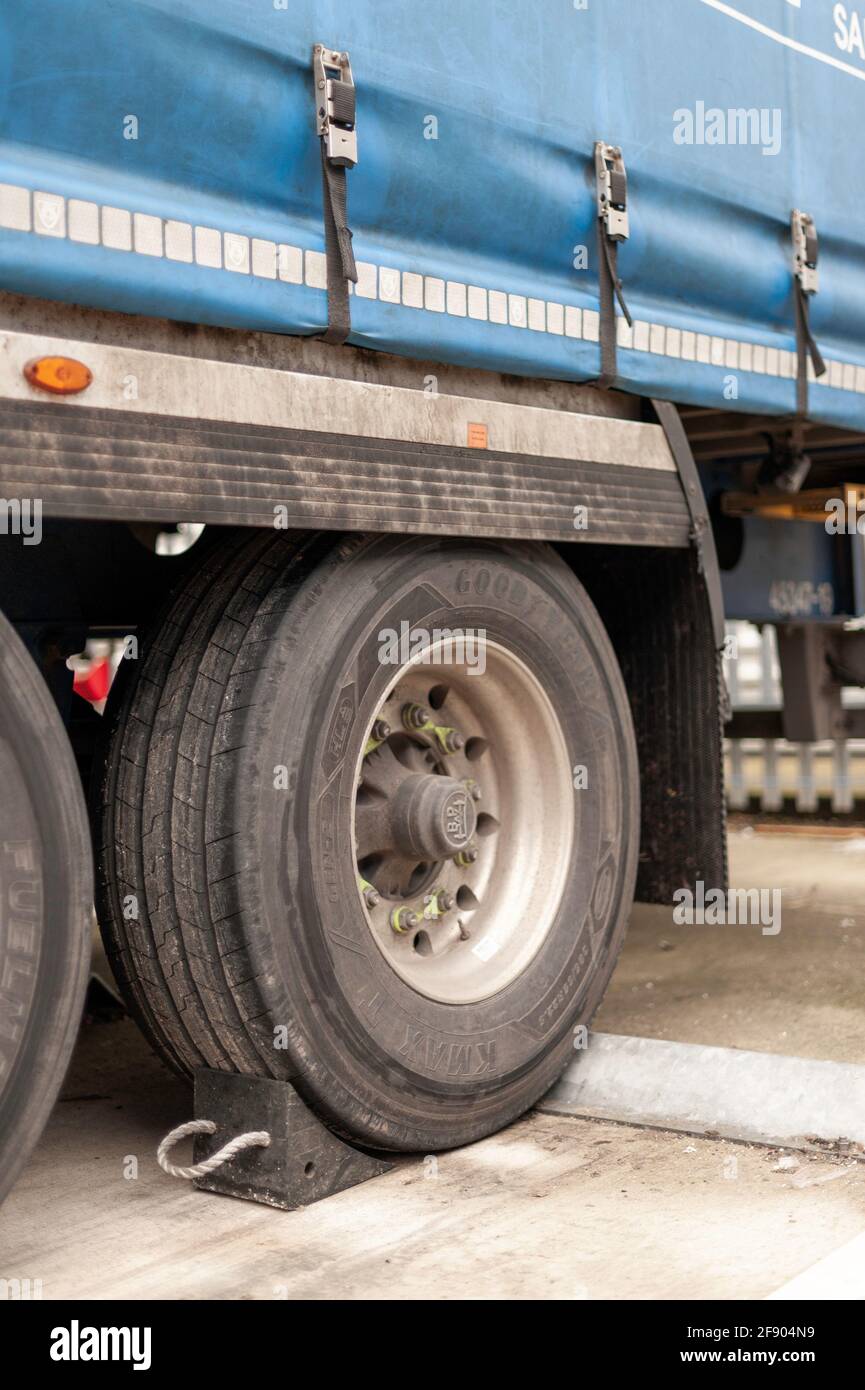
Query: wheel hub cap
432, 817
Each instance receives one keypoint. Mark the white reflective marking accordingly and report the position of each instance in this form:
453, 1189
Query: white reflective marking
517, 310
457, 299
147, 234
434, 294
555, 319
236, 252
315, 266
83, 221
538, 315
624, 333
641, 335
591, 325
263, 258
389, 285
412, 289
573, 321
178, 241
208, 247
49, 214
117, 229
14, 207
367, 280
477, 300
498, 306
289, 263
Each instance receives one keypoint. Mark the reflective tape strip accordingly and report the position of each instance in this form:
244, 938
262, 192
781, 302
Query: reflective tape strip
50, 215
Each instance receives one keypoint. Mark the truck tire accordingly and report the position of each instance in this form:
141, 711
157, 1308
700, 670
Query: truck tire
399, 884
46, 903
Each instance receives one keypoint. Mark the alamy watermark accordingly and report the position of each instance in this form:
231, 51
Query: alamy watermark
438, 646
21, 516
737, 907
845, 516
77, 1343
739, 125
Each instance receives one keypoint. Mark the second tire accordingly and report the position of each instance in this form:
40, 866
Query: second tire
370, 824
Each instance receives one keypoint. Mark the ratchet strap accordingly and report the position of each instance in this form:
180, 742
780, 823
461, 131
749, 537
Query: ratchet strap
612, 201
335, 114
806, 283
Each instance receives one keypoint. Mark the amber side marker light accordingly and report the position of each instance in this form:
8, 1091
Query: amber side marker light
61, 375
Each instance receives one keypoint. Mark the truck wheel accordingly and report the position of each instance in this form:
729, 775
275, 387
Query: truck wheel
46, 903
385, 802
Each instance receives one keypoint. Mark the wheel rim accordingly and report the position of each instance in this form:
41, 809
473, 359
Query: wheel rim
463, 822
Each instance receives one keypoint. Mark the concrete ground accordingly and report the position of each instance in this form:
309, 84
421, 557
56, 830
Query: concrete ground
555, 1207
799, 992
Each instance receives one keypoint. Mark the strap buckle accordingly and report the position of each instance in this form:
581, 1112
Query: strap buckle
335, 105
806, 251
612, 190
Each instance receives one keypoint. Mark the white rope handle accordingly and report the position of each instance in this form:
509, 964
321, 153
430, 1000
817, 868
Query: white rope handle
256, 1139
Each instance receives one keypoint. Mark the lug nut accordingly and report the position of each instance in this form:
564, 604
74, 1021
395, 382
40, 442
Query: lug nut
372, 897
453, 741
466, 856
473, 790
402, 919
446, 900
381, 730
415, 716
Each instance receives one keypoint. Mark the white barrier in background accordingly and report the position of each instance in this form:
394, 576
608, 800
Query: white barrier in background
772, 769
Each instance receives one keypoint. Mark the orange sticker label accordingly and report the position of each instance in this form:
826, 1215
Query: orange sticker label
478, 437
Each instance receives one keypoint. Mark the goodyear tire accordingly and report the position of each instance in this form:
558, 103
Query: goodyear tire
46, 903
370, 824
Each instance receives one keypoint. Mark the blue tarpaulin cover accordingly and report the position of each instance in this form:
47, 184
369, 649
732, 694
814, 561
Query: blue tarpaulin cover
160, 157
